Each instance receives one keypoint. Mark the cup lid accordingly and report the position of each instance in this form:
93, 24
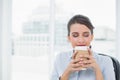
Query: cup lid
80, 47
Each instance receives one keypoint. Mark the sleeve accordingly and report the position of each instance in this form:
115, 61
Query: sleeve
108, 71
54, 74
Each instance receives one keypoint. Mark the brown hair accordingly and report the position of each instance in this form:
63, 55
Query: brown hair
81, 20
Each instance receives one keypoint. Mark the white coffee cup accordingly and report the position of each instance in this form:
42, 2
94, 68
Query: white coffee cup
81, 50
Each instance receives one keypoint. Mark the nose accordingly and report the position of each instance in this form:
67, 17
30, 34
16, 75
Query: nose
81, 39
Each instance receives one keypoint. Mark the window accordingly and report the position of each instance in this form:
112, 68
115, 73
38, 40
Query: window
102, 17
30, 31
34, 22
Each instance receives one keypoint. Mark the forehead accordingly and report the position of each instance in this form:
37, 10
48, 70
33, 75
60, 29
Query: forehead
79, 28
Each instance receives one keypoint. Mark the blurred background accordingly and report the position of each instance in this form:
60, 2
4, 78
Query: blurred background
34, 31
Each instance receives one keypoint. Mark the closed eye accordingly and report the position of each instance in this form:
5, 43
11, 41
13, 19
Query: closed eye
86, 34
75, 34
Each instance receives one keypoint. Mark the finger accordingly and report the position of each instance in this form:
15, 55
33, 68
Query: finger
86, 59
88, 62
75, 60
74, 54
76, 65
87, 65
89, 51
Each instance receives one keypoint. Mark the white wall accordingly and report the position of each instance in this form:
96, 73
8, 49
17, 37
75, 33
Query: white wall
118, 28
5, 39
0, 40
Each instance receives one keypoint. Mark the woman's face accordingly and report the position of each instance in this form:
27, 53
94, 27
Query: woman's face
80, 35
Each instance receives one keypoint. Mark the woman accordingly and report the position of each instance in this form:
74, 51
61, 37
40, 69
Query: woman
66, 67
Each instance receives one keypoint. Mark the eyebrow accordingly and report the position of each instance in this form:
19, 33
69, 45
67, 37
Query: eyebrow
77, 32
86, 32
74, 32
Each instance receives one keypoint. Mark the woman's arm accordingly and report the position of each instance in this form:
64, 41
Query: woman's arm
65, 75
98, 73
73, 66
91, 62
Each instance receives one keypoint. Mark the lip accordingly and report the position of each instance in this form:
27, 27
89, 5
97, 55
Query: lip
81, 45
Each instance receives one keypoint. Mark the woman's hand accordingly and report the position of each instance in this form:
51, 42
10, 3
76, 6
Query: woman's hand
89, 61
73, 66
79, 63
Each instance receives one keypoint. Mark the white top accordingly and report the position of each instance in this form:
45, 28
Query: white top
63, 59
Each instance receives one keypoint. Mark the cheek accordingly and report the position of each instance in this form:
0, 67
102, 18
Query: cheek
73, 40
88, 40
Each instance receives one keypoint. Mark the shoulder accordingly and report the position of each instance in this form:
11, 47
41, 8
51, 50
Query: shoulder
100, 56
103, 60
107, 66
63, 56
62, 59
